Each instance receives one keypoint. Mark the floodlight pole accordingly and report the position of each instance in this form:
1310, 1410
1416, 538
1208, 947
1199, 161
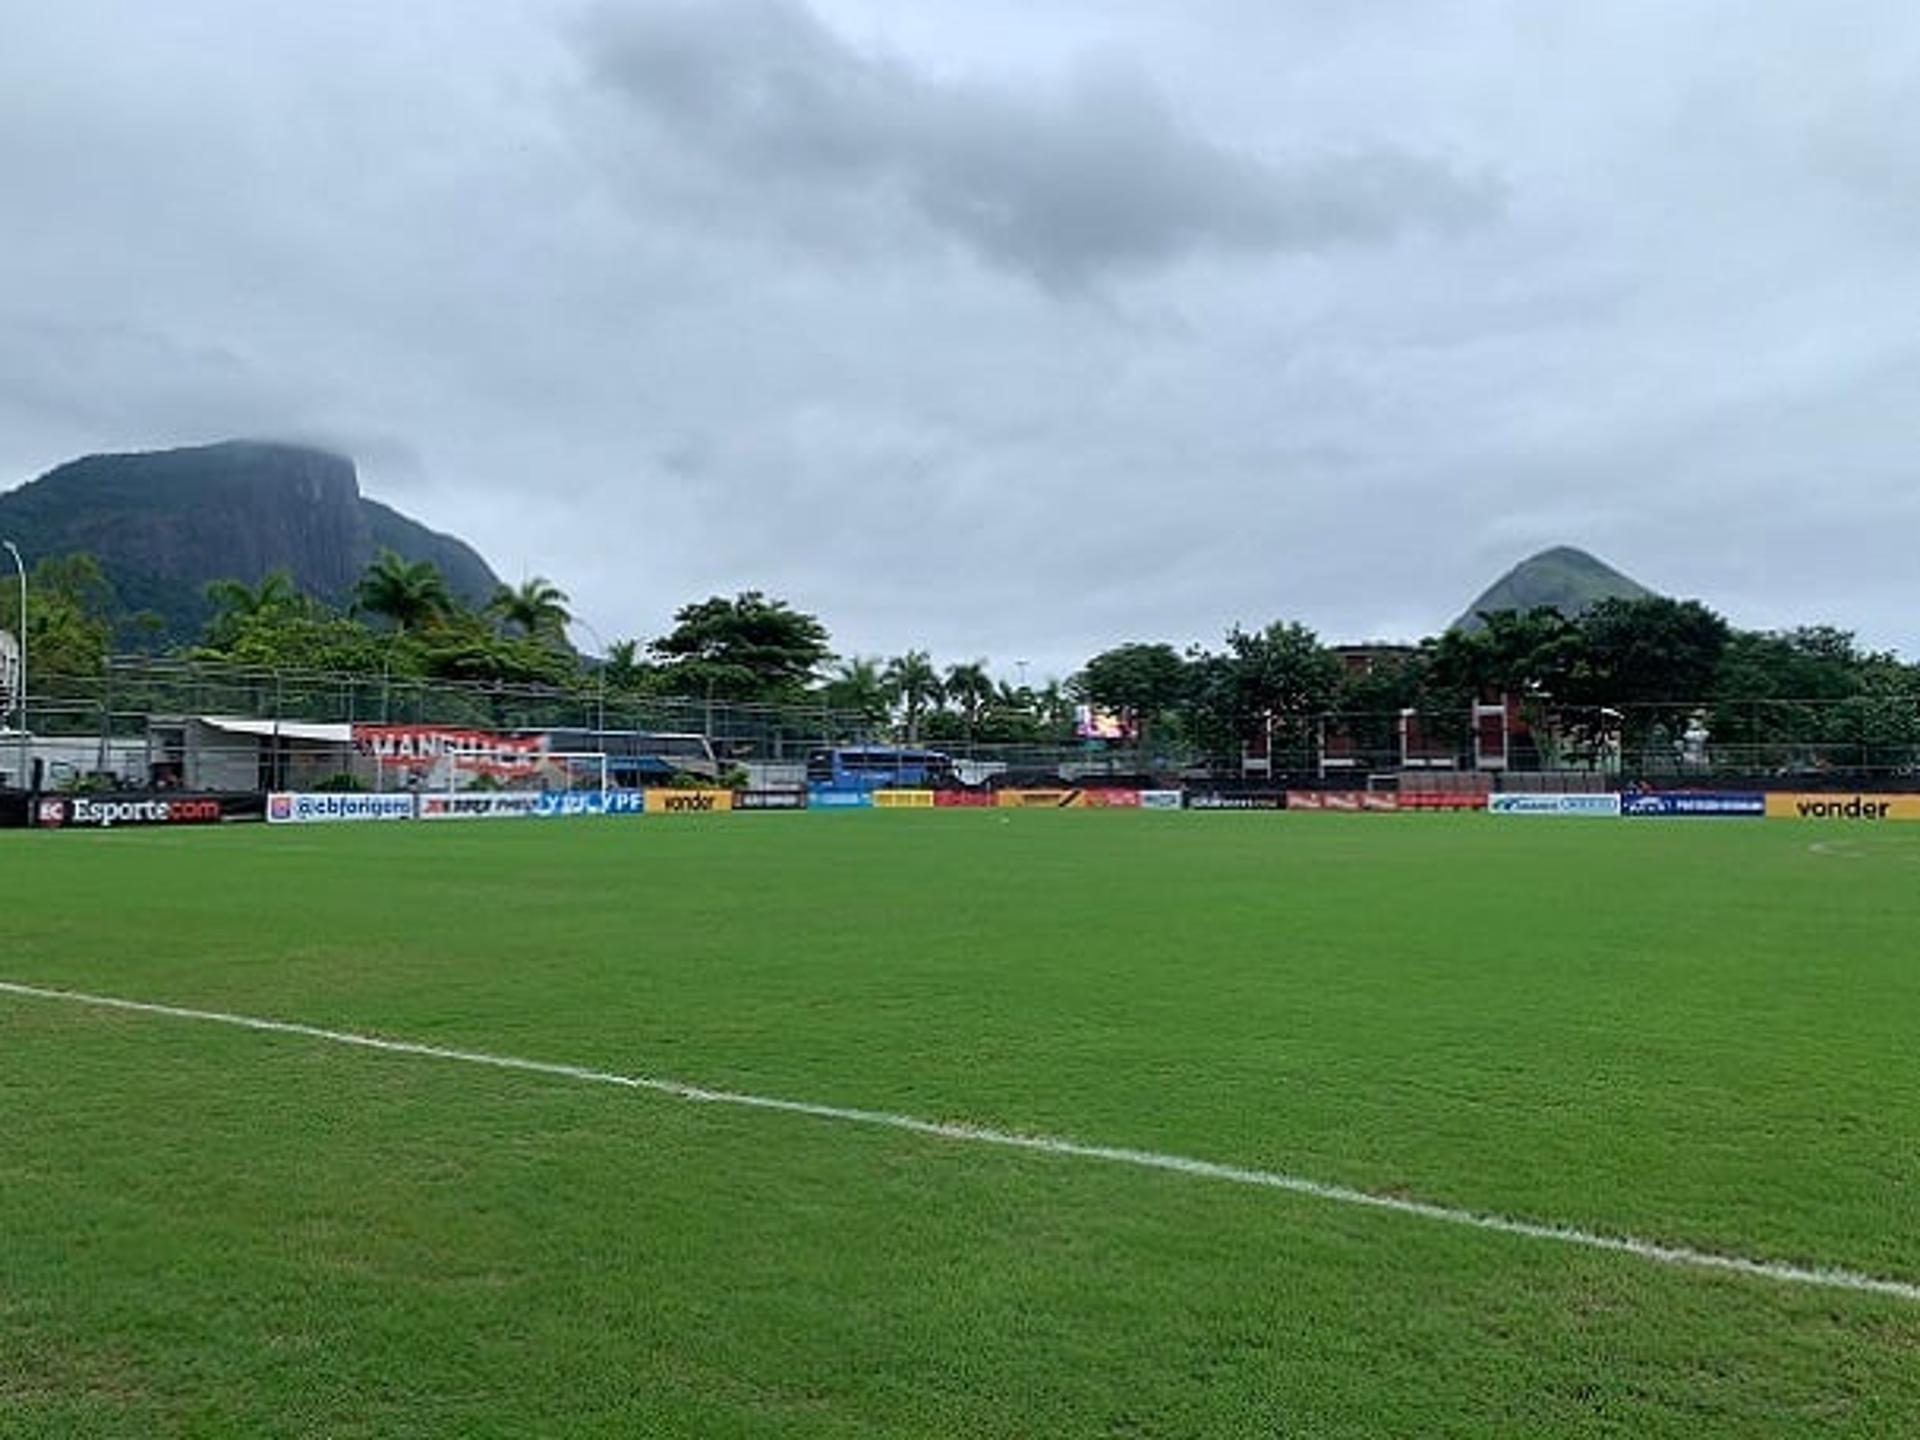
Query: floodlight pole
20, 700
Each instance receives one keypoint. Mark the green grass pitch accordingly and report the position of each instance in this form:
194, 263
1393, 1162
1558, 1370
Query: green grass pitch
1698, 1032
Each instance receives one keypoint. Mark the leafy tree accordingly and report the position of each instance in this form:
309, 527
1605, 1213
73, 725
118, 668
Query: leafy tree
1140, 679
915, 685
747, 648
1371, 699
411, 594
1283, 671
464, 647
68, 630
1146, 682
1788, 692
1280, 677
944, 727
1650, 651
307, 639
536, 607
1536, 652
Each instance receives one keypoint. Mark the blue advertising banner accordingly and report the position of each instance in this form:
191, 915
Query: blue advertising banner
1750, 804
591, 802
826, 797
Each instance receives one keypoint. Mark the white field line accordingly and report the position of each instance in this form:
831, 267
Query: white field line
1653, 1250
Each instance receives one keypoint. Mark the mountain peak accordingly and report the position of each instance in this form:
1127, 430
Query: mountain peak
165, 522
1562, 576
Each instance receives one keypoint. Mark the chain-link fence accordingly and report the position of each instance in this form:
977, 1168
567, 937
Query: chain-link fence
149, 722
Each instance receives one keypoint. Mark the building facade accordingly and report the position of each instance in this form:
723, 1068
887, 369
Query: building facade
9, 677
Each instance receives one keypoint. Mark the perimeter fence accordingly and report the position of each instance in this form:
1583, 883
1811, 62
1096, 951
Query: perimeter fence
123, 724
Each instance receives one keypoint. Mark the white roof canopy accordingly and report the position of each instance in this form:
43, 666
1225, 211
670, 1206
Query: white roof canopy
280, 729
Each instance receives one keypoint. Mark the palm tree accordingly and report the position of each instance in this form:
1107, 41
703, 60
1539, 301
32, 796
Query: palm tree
915, 685
409, 593
859, 688
537, 606
970, 689
236, 603
1053, 705
624, 668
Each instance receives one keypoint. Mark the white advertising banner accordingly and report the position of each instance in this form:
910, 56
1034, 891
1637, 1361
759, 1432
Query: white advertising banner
1594, 805
288, 808
482, 805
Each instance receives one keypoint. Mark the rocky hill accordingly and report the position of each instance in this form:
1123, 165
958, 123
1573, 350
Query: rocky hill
1569, 580
164, 523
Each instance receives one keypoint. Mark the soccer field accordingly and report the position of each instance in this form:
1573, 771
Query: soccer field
1696, 1034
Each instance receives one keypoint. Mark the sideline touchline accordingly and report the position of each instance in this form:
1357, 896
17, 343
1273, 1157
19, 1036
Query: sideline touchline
1045, 1144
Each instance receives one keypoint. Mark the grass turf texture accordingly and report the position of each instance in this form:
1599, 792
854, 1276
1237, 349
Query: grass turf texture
1698, 1032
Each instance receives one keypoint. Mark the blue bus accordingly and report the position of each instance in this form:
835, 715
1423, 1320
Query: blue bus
878, 767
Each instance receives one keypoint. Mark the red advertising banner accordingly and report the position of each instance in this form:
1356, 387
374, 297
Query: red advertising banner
1442, 800
1113, 799
963, 799
1345, 800
421, 747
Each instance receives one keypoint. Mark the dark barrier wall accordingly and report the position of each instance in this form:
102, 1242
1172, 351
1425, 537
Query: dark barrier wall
1236, 800
13, 811
769, 800
114, 811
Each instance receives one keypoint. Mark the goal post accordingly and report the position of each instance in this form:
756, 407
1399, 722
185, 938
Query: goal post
575, 770
555, 771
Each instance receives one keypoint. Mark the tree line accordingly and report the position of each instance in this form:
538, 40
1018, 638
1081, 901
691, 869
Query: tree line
1642, 666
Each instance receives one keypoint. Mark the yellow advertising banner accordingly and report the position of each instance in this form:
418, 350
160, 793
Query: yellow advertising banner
688, 802
1041, 799
903, 799
1843, 806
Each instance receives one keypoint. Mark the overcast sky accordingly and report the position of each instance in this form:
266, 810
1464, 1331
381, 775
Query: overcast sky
1011, 331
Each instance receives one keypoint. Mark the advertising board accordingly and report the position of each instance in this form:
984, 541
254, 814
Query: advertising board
903, 799
1236, 800
769, 800
1040, 799
565, 804
664, 801
482, 805
323, 808
424, 747
1750, 804
1592, 806
828, 797
1843, 807
963, 799
1090, 722
1442, 800
1113, 798
1347, 800
111, 811
1161, 799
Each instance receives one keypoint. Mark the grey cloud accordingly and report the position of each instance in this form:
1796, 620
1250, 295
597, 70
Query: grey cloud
665, 303
1097, 178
